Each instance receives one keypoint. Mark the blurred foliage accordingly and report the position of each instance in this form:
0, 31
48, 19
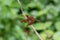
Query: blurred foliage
46, 11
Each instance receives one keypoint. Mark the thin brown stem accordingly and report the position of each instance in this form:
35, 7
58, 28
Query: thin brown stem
22, 9
31, 25
36, 32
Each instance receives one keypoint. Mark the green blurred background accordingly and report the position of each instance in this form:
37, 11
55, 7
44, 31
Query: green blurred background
46, 11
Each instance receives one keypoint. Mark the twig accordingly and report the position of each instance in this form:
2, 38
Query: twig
22, 9
36, 32
31, 25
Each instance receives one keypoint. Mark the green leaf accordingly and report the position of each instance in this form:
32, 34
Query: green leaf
56, 36
54, 10
1, 26
14, 4
6, 2
43, 37
1, 38
35, 3
57, 25
57, 2
13, 13
43, 11
49, 33
18, 32
42, 26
